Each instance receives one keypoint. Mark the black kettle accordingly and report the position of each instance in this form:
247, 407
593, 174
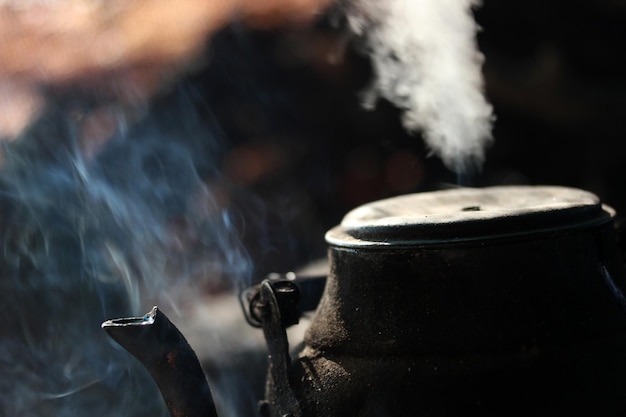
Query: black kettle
500, 301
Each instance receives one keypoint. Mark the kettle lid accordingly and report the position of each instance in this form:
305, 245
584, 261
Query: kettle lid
469, 214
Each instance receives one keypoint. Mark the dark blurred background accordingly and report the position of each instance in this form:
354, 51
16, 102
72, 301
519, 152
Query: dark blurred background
555, 74
294, 150
302, 147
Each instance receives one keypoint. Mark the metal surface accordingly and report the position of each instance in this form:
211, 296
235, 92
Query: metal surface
275, 310
498, 301
469, 214
307, 289
165, 353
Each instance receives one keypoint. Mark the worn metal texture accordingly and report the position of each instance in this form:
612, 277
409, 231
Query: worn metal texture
173, 365
510, 324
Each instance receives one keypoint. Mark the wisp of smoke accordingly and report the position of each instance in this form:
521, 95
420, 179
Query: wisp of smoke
85, 240
426, 62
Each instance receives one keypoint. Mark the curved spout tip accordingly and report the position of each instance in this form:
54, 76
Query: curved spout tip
126, 331
147, 319
165, 353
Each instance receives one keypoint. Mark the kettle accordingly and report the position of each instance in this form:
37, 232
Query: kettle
471, 301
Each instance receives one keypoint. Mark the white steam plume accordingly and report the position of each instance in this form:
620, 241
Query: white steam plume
426, 62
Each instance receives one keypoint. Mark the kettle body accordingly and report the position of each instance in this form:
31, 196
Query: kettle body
500, 301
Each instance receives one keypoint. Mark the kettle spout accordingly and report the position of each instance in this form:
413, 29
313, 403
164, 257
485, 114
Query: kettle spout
169, 359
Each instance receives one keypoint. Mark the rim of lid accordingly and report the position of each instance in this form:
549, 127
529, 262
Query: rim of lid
469, 214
